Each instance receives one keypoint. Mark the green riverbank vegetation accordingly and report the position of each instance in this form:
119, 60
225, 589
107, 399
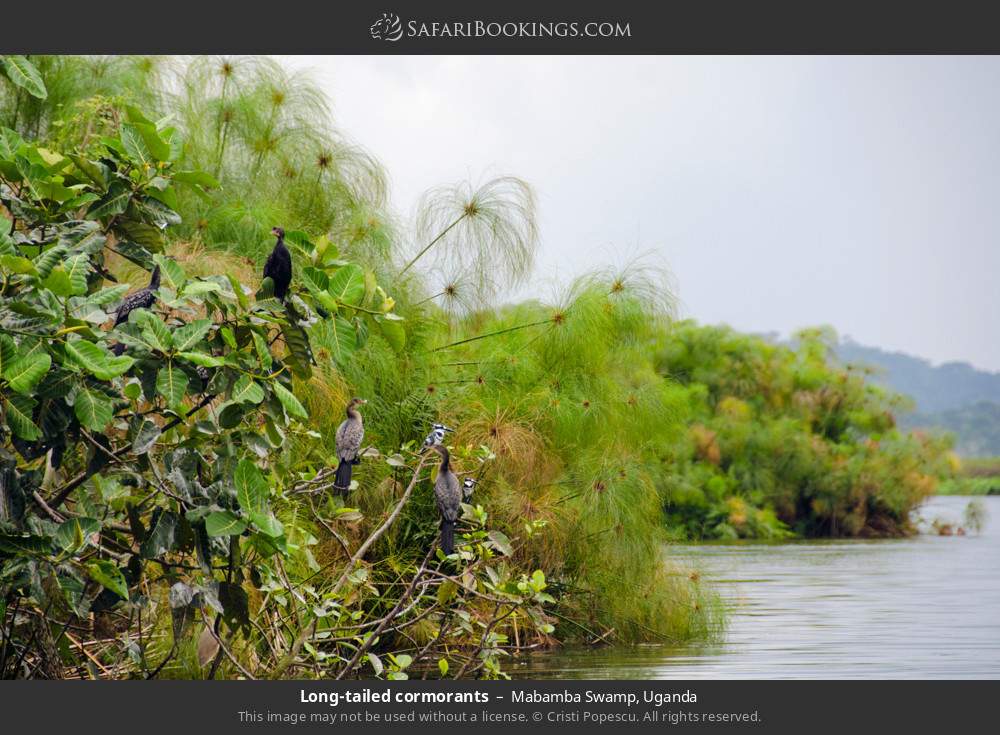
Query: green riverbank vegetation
974, 476
784, 441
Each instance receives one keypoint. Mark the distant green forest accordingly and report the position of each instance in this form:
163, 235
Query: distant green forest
954, 396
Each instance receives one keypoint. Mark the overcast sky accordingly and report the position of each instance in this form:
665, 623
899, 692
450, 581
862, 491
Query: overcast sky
782, 192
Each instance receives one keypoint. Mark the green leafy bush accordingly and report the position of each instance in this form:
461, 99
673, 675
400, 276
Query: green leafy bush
139, 459
783, 441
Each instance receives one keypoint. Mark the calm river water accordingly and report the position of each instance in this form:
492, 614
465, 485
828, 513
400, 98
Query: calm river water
921, 608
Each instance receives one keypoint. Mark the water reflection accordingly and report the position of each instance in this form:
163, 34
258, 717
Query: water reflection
926, 607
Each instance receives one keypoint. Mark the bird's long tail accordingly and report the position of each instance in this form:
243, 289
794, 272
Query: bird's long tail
342, 480
448, 537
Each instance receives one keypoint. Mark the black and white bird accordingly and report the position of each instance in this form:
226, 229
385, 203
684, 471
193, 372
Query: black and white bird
279, 265
468, 487
144, 298
436, 437
349, 436
448, 495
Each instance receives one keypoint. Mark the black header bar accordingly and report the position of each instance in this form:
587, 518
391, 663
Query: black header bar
510, 27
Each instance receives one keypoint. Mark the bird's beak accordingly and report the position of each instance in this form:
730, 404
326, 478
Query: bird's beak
274, 231
451, 430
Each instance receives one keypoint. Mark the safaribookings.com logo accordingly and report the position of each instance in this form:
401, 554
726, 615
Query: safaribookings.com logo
390, 28
387, 28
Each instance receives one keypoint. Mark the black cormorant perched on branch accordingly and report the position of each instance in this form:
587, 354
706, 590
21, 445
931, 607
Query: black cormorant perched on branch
436, 437
279, 265
349, 436
144, 298
448, 495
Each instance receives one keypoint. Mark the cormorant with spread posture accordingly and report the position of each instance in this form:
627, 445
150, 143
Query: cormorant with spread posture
349, 437
436, 436
279, 265
144, 298
448, 495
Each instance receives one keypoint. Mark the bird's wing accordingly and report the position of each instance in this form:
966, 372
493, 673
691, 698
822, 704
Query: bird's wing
349, 437
269, 266
142, 299
448, 495
121, 314
339, 436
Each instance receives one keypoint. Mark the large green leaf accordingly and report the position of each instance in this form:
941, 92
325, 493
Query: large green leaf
90, 308
267, 523
348, 284
96, 360
171, 272
75, 533
136, 147
10, 144
251, 487
18, 410
23, 73
49, 259
58, 282
154, 332
224, 523
290, 402
196, 178
84, 236
24, 373
78, 268
28, 545
297, 342
161, 536
299, 241
315, 279
155, 144
393, 331
94, 410
263, 350
35, 176
191, 334
7, 246
114, 202
109, 576
172, 383
157, 213
195, 289
145, 436
343, 339
200, 358
231, 414
247, 390
8, 352
96, 172
18, 265
141, 239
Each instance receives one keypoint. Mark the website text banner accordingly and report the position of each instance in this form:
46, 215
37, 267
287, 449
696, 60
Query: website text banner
424, 706
512, 27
